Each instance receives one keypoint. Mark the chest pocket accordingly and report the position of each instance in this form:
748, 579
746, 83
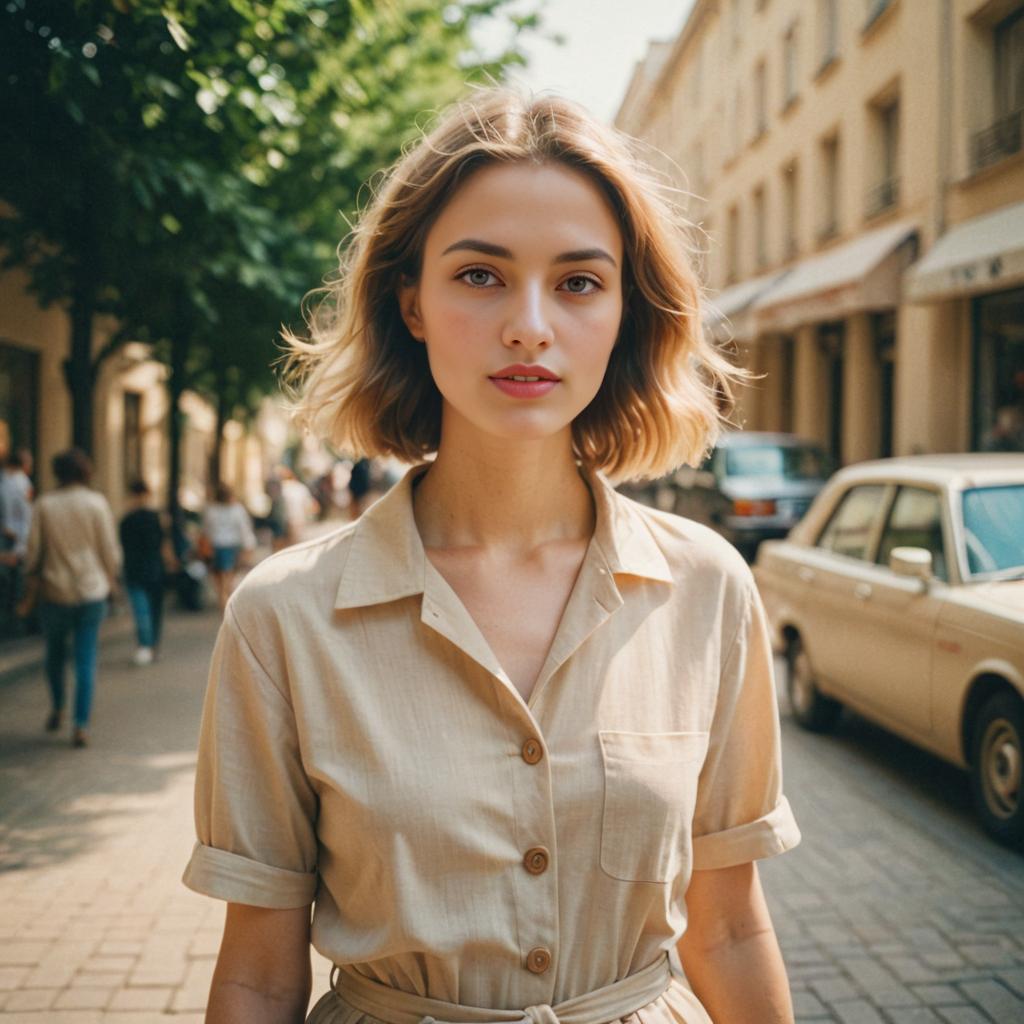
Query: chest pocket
650, 789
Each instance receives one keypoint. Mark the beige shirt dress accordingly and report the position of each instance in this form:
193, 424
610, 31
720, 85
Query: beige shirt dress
470, 856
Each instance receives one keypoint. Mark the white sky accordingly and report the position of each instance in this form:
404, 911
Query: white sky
603, 41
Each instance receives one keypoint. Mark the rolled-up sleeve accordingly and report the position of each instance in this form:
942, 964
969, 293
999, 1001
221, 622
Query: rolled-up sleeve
741, 814
255, 808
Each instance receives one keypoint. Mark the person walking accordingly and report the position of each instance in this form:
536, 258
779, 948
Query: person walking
74, 556
16, 493
229, 536
511, 736
143, 541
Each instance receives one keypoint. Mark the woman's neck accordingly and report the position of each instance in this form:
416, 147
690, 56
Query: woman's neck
492, 493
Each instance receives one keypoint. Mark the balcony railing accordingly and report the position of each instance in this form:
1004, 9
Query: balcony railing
998, 140
882, 196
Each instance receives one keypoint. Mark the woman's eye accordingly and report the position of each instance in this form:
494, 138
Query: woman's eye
478, 277
579, 284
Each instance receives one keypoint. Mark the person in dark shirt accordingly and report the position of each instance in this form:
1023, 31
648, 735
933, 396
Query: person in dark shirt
142, 538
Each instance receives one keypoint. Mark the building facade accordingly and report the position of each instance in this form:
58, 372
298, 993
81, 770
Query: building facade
856, 172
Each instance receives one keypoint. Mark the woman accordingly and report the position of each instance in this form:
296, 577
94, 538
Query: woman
226, 532
73, 552
512, 735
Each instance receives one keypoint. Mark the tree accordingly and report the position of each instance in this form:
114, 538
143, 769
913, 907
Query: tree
160, 159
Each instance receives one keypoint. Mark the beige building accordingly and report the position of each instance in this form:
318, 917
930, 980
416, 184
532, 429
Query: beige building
130, 411
857, 167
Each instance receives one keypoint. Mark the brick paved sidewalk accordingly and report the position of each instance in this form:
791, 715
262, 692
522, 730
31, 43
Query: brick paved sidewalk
94, 923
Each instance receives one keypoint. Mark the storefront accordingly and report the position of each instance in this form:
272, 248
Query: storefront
981, 263
19, 390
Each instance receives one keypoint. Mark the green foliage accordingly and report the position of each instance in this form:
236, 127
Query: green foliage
188, 166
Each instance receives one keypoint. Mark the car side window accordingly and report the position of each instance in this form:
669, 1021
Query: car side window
915, 522
849, 530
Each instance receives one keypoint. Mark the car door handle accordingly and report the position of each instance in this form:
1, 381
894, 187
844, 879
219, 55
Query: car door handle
862, 591
805, 574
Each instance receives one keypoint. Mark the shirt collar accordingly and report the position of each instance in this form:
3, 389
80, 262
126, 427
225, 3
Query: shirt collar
386, 560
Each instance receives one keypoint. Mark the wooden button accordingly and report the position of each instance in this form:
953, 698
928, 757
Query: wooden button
536, 860
532, 751
538, 960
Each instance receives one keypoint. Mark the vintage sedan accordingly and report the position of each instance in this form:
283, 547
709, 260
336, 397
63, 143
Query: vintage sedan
901, 595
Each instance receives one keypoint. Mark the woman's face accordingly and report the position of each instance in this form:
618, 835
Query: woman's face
521, 278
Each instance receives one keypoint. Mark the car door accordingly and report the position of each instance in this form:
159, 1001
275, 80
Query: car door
828, 573
895, 617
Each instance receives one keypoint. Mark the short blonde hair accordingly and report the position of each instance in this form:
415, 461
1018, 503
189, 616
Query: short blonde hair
362, 381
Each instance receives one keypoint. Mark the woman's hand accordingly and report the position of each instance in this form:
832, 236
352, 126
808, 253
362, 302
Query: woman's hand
729, 951
263, 974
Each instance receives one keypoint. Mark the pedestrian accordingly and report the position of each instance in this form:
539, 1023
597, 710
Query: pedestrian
73, 553
228, 534
513, 736
144, 543
359, 487
299, 505
16, 494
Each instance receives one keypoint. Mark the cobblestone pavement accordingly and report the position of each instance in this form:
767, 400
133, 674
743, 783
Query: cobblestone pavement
895, 908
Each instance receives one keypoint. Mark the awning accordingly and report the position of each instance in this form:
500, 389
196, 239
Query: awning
728, 315
983, 254
860, 275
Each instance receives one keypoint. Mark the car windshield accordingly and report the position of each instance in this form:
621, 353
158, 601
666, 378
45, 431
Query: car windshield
790, 463
994, 528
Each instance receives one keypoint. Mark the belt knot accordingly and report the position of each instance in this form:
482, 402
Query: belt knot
541, 1014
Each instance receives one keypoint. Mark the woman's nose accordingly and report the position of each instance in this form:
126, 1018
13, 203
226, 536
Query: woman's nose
528, 323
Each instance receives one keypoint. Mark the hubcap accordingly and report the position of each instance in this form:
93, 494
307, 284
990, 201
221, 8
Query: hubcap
1001, 767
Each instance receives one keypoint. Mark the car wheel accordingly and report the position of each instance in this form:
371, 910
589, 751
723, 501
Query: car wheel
996, 767
812, 709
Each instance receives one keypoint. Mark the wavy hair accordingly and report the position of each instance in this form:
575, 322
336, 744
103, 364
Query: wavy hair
360, 380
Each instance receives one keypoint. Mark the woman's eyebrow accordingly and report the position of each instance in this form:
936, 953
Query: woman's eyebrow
499, 251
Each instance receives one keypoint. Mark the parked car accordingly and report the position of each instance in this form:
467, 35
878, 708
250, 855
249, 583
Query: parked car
901, 595
752, 487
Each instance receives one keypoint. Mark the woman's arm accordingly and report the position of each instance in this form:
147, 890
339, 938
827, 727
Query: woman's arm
729, 950
263, 974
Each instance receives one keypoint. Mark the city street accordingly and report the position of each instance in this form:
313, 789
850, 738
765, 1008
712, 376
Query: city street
895, 908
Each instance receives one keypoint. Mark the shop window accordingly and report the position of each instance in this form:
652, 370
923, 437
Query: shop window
883, 329
831, 341
19, 399
999, 372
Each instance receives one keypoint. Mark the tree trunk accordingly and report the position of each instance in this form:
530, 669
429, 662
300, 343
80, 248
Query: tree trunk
78, 368
217, 455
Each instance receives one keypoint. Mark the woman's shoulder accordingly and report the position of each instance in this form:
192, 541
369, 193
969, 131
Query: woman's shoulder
299, 582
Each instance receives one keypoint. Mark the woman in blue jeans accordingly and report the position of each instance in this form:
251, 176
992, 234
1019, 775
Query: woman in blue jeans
73, 550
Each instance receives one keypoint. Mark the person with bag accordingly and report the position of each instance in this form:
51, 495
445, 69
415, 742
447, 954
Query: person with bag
74, 558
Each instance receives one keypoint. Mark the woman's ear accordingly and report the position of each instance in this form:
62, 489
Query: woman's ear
409, 305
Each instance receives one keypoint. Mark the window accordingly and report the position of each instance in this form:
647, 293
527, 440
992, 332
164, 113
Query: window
760, 240
789, 65
132, 437
733, 269
874, 9
991, 514
789, 209
884, 194
849, 530
915, 522
1003, 137
830, 188
760, 99
828, 22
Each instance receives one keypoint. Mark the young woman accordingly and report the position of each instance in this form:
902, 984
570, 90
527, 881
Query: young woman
74, 557
228, 532
512, 736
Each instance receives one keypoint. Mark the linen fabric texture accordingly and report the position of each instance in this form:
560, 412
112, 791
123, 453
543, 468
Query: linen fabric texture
362, 750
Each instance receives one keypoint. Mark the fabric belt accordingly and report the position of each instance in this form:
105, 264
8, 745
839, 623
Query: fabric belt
598, 1007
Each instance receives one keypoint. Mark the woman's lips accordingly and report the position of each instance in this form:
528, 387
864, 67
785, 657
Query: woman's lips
523, 388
